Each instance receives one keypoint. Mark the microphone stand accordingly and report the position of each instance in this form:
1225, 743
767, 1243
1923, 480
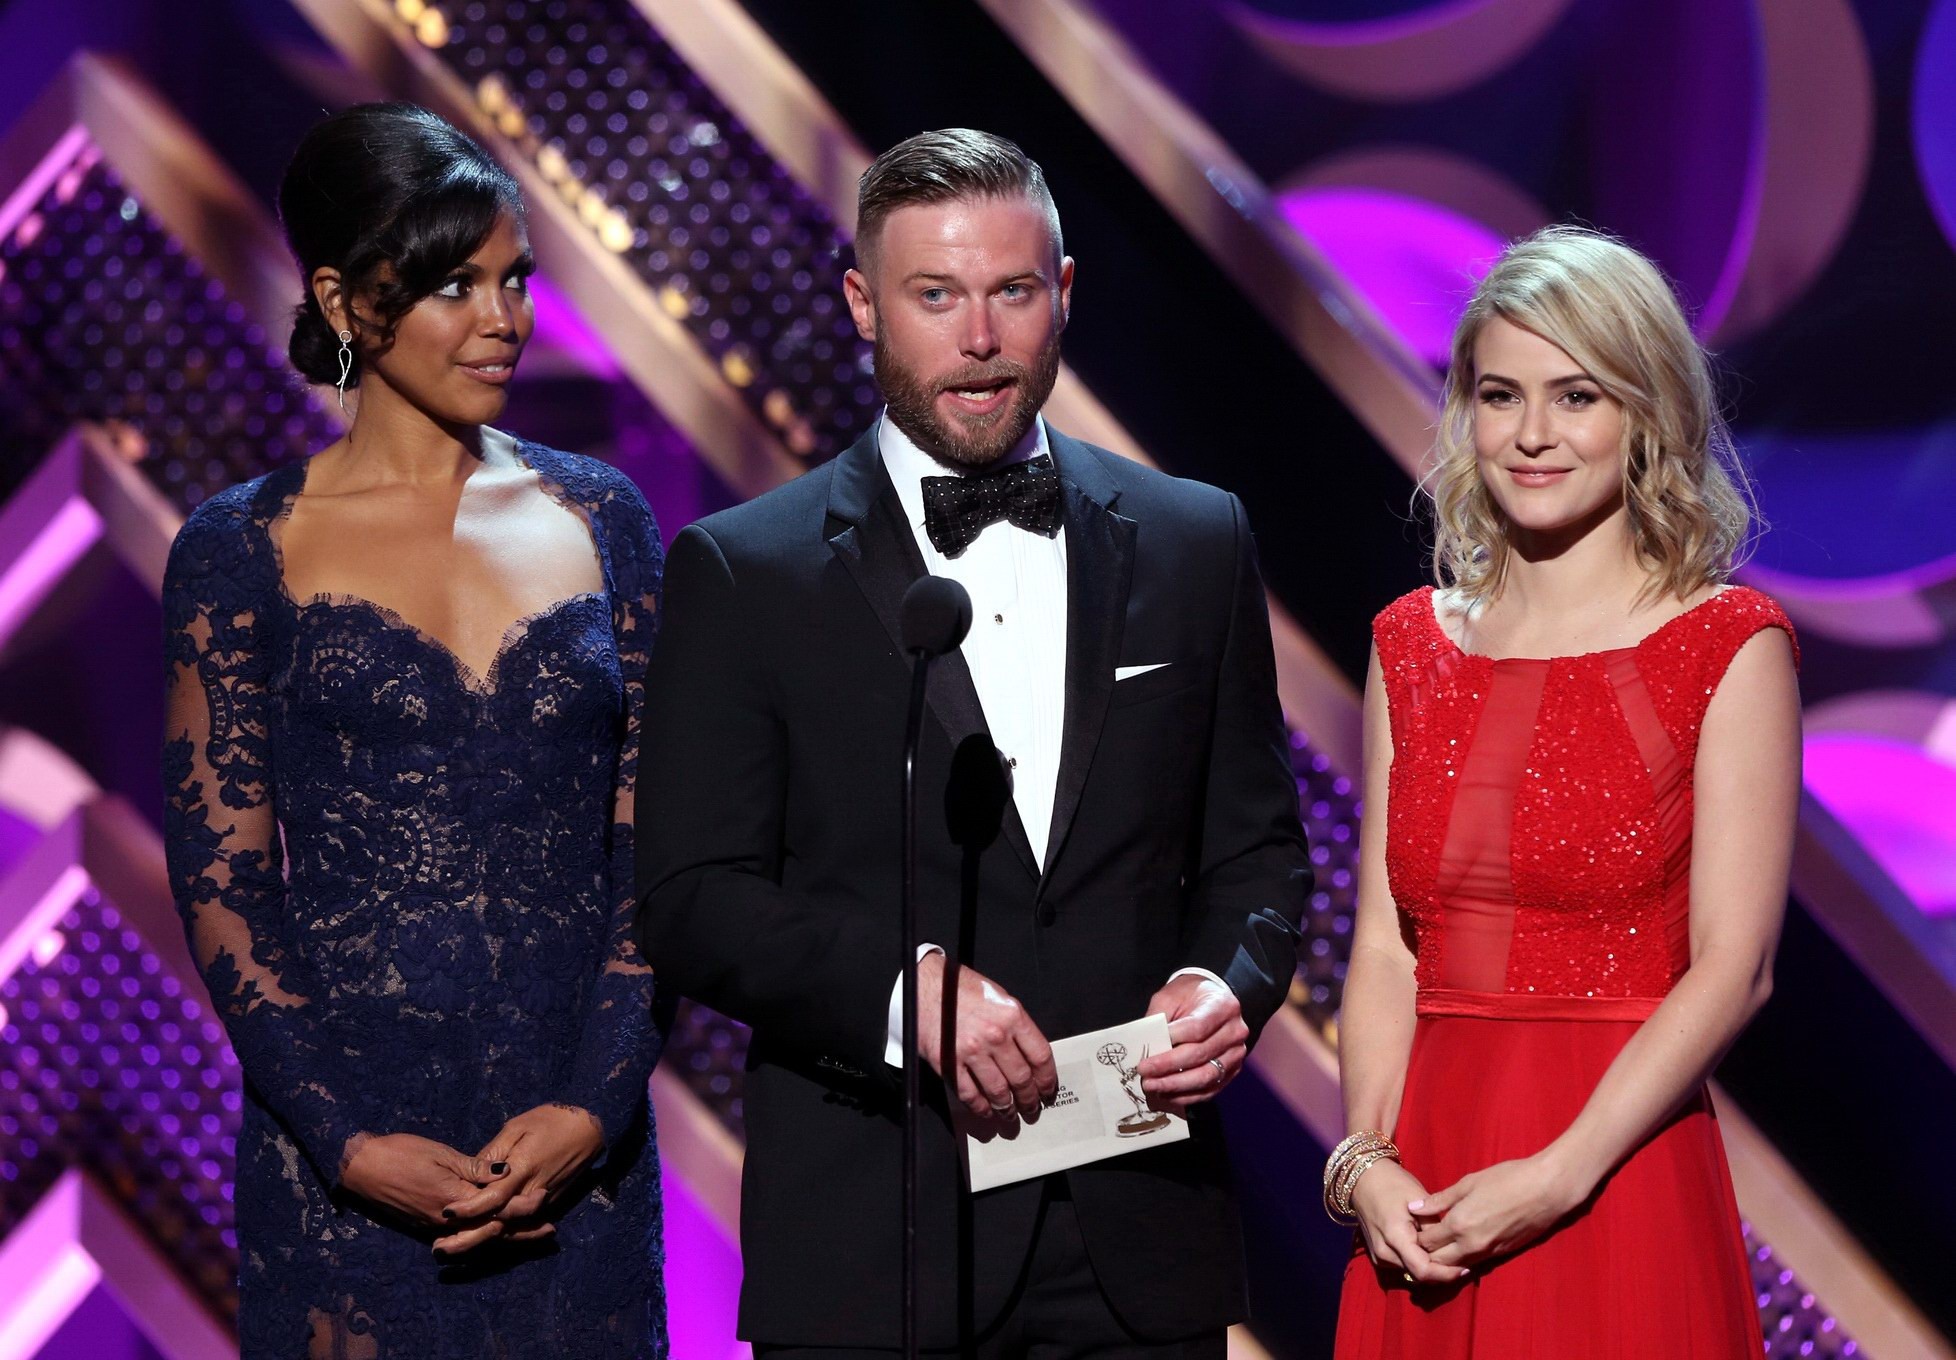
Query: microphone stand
936, 617
912, 1063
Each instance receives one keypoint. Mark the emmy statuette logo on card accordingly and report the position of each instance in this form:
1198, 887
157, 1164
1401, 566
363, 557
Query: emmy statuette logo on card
1143, 1121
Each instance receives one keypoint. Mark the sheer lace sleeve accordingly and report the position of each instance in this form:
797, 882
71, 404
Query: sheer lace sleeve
625, 1029
221, 832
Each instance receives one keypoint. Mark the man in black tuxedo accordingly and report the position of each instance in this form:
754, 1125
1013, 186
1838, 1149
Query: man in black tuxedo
1107, 819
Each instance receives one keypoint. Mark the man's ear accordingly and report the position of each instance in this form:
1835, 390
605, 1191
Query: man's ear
1066, 291
862, 303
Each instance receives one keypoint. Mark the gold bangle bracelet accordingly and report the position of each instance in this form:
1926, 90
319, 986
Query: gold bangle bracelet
1347, 1162
1343, 1199
1361, 1141
1343, 1150
1348, 1176
1351, 1148
1361, 1165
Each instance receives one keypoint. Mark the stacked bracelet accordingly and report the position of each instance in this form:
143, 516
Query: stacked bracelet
1348, 1161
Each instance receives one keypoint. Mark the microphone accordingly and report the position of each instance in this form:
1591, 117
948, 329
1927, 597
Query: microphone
936, 616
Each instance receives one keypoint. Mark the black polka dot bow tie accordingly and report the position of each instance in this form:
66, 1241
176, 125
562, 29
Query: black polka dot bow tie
958, 509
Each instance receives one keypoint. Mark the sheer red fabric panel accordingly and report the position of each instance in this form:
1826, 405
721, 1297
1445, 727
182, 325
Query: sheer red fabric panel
1476, 879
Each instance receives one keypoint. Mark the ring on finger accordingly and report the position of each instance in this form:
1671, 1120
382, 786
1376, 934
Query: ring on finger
1221, 1071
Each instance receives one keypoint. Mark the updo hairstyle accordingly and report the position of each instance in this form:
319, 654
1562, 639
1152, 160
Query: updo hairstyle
395, 199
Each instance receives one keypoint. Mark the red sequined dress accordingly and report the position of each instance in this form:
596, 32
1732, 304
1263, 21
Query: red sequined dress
1539, 849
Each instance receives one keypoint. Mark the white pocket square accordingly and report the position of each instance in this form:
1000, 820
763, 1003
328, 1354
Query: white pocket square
1129, 672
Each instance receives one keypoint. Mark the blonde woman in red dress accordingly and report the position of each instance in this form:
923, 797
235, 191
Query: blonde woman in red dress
1582, 772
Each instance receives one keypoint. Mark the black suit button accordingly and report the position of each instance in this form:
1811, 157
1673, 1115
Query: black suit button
1047, 916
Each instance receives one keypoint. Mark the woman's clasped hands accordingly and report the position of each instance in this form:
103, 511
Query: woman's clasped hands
1391, 1231
500, 1194
534, 1158
1438, 1238
1495, 1211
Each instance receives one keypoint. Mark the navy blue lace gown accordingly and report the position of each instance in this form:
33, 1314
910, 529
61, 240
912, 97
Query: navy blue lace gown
409, 889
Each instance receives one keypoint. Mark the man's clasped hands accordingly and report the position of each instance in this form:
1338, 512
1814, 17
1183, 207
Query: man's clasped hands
1001, 1066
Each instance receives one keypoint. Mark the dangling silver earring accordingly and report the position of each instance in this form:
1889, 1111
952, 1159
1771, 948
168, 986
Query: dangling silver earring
346, 366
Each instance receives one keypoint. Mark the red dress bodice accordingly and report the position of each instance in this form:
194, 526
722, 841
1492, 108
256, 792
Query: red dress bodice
1539, 817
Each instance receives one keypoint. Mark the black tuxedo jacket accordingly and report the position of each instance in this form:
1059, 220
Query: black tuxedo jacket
768, 839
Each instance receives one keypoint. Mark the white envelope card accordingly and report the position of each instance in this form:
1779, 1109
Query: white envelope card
1101, 1110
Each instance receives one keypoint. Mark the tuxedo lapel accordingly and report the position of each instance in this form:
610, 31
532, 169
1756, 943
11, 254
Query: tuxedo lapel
1099, 568
876, 547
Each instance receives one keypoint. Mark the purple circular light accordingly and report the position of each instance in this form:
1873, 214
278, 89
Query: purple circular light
1935, 114
1414, 261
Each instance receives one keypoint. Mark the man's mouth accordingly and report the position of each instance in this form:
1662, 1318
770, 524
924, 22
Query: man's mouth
980, 398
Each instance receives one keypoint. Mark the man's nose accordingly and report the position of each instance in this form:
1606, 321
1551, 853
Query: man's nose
980, 337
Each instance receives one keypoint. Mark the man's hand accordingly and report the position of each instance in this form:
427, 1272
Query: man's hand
1002, 1066
535, 1157
413, 1176
1205, 1023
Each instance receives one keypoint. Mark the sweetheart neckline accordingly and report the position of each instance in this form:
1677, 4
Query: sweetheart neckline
484, 683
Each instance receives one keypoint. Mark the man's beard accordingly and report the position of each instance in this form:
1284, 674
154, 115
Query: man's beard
912, 400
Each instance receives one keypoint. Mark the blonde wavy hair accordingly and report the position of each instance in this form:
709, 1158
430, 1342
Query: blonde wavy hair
1607, 307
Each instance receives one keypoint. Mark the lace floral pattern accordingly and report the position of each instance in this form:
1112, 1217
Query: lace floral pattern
409, 890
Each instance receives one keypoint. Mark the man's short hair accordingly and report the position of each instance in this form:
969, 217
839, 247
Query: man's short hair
937, 167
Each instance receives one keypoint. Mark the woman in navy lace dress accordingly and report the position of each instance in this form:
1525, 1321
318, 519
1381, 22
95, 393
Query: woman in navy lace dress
405, 681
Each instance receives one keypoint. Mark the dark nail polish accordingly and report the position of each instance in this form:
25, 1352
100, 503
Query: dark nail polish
497, 1168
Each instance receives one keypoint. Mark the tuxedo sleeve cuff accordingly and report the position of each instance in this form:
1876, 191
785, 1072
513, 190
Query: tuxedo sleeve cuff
1197, 972
893, 1050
